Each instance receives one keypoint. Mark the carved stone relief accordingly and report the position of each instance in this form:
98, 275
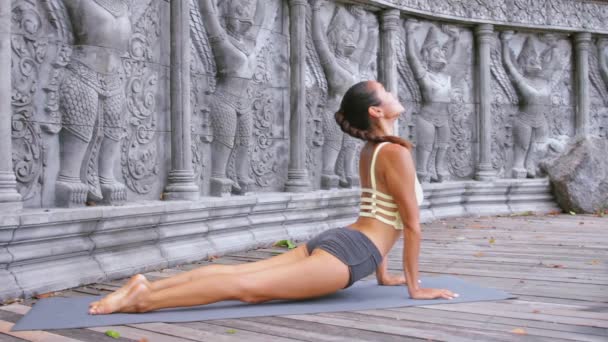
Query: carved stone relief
342, 46
140, 149
240, 76
533, 100
85, 100
436, 74
570, 14
598, 75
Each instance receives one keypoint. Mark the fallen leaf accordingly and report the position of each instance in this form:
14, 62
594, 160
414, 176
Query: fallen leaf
558, 266
285, 243
519, 331
594, 262
113, 334
479, 226
143, 339
536, 311
492, 240
572, 213
46, 295
554, 213
231, 331
478, 254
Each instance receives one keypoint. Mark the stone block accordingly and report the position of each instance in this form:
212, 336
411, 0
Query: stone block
62, 247
120, 263
229, 223
54, 275
181, 229
9, 289
232, 241
272, 202
186, 250
124, 238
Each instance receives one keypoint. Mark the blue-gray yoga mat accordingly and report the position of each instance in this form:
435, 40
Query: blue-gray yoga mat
63, 313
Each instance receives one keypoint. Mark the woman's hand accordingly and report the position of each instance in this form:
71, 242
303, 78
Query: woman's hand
392, 280
432, 294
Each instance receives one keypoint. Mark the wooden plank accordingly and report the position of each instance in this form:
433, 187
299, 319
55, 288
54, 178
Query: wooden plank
404, 328
34, 336
306, 331
462, 323
127, 332
185, 332
452, 317
228, 329
483, 308
78, 334
9, 338
138, 334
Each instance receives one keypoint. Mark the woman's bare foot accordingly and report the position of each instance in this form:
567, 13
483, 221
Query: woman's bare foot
115, 298
130, 302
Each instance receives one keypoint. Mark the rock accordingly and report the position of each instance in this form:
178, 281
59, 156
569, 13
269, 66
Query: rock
579, 175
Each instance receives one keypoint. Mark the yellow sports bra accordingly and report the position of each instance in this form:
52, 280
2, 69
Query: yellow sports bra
379, 205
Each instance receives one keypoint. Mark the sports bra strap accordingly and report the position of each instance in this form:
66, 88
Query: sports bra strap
373, 165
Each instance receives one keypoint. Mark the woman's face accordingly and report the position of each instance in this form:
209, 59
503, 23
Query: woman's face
390, 104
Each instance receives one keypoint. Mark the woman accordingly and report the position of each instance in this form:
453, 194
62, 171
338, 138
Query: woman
336, 258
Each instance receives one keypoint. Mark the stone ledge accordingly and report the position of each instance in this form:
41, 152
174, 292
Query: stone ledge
44, 250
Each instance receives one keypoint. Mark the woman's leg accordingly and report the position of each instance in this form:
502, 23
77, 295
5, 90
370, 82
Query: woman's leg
292, 256
320, 274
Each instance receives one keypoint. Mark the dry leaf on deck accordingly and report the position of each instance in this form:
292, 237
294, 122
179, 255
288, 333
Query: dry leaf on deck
519, 331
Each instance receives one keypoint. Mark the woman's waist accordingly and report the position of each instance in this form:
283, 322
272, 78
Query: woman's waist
381, 234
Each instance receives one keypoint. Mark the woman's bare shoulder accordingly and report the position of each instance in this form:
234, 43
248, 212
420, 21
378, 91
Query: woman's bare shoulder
396, 153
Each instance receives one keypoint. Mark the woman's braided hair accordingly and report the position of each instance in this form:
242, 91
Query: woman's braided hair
353, 117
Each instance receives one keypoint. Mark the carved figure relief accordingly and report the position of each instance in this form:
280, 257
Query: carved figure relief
430, 67
345, 47
598, 75
231, 117
236, 62
92, 99
534, 75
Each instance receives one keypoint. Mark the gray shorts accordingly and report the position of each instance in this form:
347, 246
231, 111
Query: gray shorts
352, 247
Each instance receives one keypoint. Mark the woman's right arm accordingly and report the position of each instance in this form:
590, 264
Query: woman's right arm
400, 177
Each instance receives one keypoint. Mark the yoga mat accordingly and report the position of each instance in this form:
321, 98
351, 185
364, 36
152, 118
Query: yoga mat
63, 313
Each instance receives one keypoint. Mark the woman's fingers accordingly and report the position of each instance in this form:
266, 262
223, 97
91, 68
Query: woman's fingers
447, 294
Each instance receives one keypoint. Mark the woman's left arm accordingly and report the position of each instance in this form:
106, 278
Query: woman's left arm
387, 279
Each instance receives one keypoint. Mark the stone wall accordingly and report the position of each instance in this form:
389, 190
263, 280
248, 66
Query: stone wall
95, 118
136, 134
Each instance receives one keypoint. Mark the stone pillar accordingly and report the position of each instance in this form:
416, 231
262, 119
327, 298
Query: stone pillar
389, 21
581, 46
9, 197
181, 184
297, 179
484, 36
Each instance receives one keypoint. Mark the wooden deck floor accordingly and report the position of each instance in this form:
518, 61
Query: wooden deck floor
556, 265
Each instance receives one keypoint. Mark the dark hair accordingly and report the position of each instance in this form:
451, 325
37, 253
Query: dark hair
353, 116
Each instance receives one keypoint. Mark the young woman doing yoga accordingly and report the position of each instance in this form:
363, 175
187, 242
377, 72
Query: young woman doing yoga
332, 260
